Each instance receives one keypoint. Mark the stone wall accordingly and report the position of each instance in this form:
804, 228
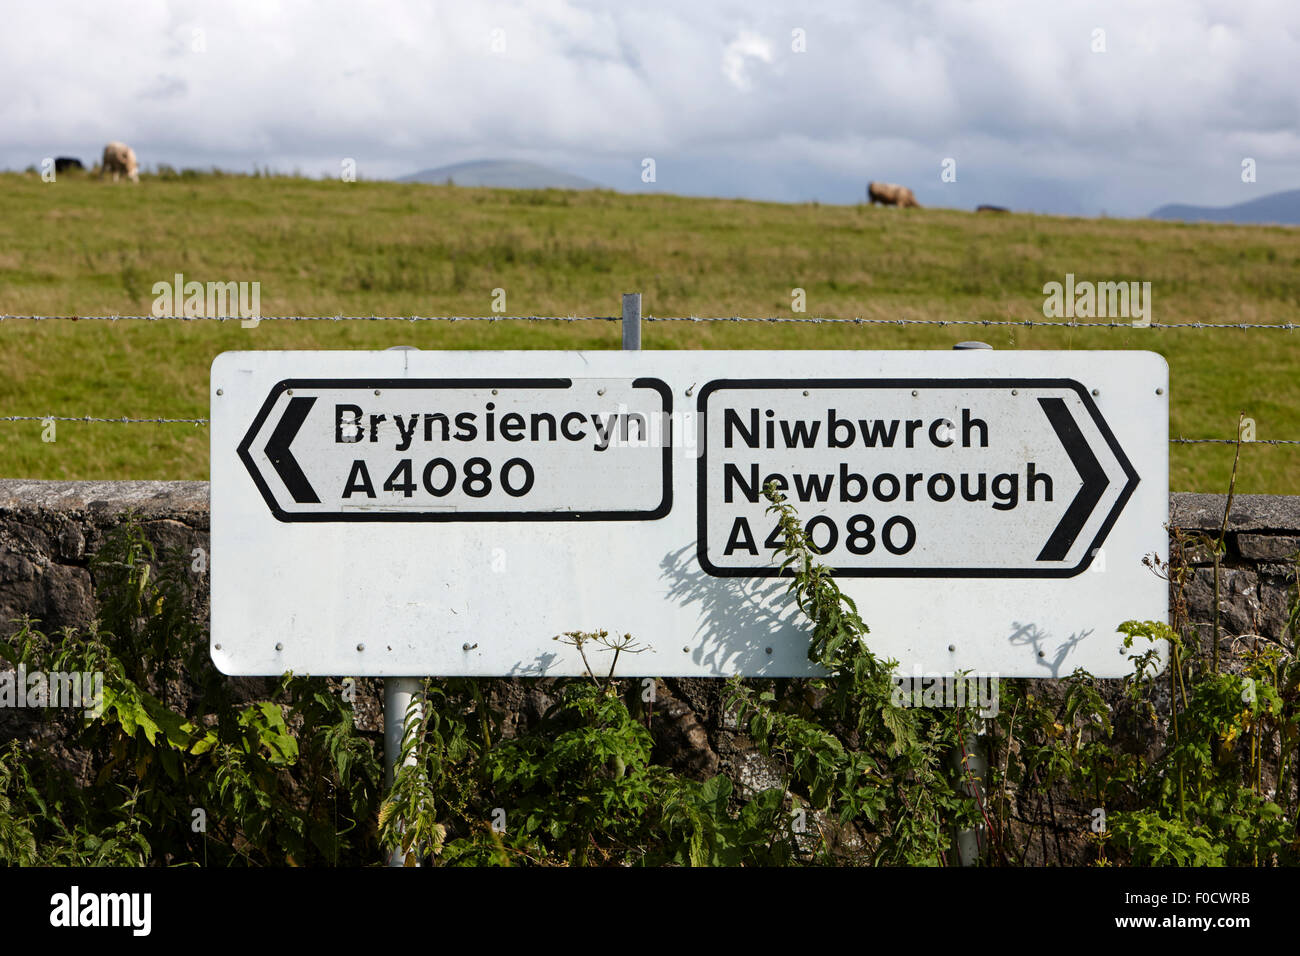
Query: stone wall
49, 530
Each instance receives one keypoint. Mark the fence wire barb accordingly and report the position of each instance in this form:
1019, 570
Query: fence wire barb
1233, 441
809, 320
111, 421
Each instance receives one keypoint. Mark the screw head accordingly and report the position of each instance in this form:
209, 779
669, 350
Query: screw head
376, 391
1096, 391
288, 391
1015, 391
361, 647
279, 647
494, 391
1160, 391
768, 650
221, 391
952, 647
216, 647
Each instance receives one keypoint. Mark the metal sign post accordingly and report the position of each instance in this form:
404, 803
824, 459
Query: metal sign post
973, 762
400, 717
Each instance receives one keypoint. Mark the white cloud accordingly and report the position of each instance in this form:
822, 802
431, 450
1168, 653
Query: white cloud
884, 91
735, 58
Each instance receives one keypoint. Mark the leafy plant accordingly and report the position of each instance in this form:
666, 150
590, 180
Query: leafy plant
880, 772
177, 768
1191, 762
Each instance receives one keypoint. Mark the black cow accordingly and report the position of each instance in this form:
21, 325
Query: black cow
64, 163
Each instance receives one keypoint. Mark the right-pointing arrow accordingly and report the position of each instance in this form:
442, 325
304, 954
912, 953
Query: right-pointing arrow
277, 450
1094, 478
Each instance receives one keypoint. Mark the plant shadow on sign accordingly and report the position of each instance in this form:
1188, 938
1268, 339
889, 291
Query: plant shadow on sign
741, 617
1037, 638
538, 667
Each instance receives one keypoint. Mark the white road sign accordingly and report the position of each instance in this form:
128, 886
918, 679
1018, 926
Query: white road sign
458, 449
960, 477
407, 512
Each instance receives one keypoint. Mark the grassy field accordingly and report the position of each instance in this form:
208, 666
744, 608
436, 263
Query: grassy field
80, 247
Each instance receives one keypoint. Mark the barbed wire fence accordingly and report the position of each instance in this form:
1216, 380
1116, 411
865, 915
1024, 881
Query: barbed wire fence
809, 320
806, 320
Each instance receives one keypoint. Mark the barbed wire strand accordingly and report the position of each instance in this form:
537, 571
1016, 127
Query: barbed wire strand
111, 421
813, 320
810, 320
125, 420
1233, 441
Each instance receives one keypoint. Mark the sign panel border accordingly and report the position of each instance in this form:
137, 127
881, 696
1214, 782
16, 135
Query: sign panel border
244, 451
936, 572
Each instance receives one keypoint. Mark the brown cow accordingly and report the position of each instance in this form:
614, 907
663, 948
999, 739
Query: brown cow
119, 159
891, 195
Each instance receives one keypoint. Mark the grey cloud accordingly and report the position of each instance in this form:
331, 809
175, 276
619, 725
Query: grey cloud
1012, 90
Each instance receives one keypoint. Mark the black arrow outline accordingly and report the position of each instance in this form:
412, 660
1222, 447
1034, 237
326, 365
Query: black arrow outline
281, 514
282, 460
1089, 468
909, 383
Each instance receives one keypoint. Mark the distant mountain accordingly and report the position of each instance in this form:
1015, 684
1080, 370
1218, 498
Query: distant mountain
502, 174
1280, 208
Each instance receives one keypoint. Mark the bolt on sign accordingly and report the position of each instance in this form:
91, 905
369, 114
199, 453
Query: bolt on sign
406, 512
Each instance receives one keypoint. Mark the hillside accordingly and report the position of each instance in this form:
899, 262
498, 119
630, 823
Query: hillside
500, 174
1278, 208
328, 248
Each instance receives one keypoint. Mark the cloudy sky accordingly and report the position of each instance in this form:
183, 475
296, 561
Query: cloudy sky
1060, 106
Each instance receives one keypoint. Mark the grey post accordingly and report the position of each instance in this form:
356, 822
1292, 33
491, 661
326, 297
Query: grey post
631, 321
399, 692
974, 764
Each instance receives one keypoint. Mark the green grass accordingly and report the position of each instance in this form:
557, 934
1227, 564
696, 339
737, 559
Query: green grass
81, 247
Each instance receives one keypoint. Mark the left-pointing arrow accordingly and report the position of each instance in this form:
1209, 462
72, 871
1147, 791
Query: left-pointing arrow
277, 450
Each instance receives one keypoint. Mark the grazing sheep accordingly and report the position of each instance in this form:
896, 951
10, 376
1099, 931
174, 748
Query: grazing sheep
119, 159
891, 195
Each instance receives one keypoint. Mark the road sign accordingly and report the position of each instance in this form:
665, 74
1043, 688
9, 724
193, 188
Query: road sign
962, 477
461, 449
408, 512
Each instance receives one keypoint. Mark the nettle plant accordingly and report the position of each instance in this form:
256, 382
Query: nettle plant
178, 767
577, 788
879, 778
